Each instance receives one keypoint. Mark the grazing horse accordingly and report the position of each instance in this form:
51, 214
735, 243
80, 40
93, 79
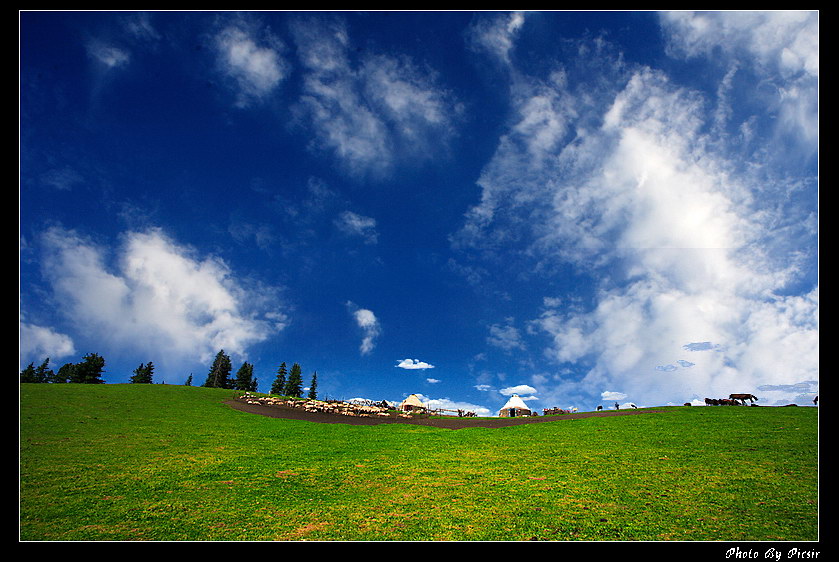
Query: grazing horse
743, 397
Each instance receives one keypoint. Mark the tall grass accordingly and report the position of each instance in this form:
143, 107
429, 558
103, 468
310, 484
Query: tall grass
158, 462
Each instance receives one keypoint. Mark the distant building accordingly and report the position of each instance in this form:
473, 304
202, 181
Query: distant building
514, 407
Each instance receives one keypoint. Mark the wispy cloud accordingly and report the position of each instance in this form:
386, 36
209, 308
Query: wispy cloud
256, 68
369, 325
622, 182
496, 35
505, 336
781, 48
107, 54
371, 111
353, 224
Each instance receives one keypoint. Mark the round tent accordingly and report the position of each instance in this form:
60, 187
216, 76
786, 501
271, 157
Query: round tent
514, 407
412, 403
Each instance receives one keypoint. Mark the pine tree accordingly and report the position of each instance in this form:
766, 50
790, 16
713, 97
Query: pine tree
40, 374
28, 374
188, 380
278, 387
294, 386
43, 373
219, 375
143, 374
313, 388
65, 373
88, 371
244, 377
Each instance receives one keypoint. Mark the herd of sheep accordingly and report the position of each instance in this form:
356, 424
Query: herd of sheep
324, 407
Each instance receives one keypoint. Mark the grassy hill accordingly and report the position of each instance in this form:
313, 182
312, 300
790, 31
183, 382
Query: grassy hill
159, 462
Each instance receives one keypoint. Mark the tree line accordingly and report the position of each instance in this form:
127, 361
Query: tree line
90, 369
286, 383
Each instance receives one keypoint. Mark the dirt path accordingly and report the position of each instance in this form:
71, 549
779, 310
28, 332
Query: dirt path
448, 423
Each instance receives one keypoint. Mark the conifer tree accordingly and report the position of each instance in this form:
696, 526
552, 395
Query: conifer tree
40, 374
28, 374
244, 378
294, 386
188, 380
219, 375
65, 373
88, 371
43, 373
143, 374
278, 387
313, 388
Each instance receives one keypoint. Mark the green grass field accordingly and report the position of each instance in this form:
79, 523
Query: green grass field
173, 463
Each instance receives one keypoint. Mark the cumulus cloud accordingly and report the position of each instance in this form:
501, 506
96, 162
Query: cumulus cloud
611, 395
518, 389
157, 296
257, 69
367, 322
371, 111
413, 364
39, 342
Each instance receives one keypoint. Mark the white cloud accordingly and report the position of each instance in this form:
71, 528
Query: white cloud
611, 395
158, 297
683, 242
518, 389
353, 224
256, 69
784, 41
506, 337
413, 364
366, 320
370, 113
108, 55
495, 35
432, 381
40, 342
780, 47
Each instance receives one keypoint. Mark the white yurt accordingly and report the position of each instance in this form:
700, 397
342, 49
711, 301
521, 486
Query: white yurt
412, 404
514, 407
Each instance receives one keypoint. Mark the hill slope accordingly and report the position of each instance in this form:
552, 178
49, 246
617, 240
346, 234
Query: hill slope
159, 462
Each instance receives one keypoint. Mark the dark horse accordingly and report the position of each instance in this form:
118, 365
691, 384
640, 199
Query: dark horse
743, 397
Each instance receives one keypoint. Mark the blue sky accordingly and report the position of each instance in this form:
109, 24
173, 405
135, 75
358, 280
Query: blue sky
580, 208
